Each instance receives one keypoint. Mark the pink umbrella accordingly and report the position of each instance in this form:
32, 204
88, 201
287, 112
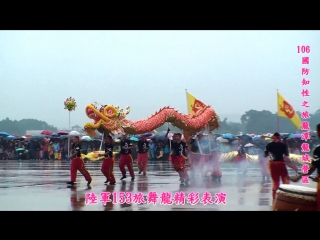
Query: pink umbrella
63, 132
46, 132
14, 134
28, 135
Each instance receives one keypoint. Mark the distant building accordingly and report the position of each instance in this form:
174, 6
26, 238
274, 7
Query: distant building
34, 132
77, 128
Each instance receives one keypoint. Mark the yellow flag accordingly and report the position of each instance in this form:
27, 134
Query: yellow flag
194, 105
286, 110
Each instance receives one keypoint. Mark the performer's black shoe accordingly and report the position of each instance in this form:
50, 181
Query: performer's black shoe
88, 183
113, 183
123, 177
132, 179
106, 181
140, 172
71, 183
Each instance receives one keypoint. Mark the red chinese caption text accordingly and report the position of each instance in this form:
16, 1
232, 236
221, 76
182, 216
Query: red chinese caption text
305, 125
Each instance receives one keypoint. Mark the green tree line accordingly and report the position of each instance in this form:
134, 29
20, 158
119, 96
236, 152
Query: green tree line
252, 121
20, 127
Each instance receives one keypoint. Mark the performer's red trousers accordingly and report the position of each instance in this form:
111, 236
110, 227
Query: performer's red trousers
278, 170
143, 162
126, 160
77, 164
179, 166
107, 169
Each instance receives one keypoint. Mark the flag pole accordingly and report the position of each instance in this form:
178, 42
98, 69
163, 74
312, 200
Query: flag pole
187, 106
278, 119
69, 138
187, 100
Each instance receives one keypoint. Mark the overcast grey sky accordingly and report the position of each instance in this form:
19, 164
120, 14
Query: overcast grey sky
234, 71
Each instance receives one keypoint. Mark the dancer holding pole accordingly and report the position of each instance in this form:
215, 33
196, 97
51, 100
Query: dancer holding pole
178, 157
214, 162
77, 163
195, 153
143, 147
108, 161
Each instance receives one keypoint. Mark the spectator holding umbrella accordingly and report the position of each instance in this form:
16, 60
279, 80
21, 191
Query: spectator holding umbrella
38, 148
56, 149
45, 154
151, 149
50, 150
32, 150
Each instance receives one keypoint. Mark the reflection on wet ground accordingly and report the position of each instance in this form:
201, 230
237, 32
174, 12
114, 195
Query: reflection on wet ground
41, 185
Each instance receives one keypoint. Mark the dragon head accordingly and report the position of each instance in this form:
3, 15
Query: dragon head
106, 119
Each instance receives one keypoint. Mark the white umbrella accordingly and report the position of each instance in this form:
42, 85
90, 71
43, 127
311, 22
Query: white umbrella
249, 145
222, 140
23, 137
74, 133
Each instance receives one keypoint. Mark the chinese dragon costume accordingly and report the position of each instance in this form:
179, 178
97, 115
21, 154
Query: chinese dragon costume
231, 157
110, 119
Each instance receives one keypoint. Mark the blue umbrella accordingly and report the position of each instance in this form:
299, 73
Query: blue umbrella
10, 137
55, 135
296, 135
4, 134
227, 136
245, 136
147, 134
256, 138
134, 139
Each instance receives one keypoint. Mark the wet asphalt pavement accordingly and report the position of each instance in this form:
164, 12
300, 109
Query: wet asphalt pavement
41, 185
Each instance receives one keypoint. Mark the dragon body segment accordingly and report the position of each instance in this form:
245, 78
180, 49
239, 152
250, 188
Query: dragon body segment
111, 119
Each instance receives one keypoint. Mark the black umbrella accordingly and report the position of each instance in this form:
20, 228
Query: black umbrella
37, 138
19, 138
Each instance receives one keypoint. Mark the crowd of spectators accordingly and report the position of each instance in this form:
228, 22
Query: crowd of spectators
57, 149
41, 149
